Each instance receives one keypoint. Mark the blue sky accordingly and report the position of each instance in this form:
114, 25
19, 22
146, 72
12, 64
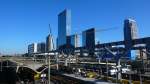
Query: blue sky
26, 21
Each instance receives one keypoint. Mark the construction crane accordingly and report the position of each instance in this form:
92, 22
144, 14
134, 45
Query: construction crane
100, 30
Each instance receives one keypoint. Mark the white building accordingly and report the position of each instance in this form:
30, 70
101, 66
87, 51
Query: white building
49, 43
75, 40
32, 48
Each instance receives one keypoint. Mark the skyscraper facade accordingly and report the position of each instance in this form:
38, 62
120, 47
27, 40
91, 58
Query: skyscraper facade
130, 30
64, 27
49, 43
32, 48
130, 33
41, 47
88, 40
73, 40
68, 41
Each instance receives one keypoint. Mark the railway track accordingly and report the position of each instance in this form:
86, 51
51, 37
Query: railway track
61, 79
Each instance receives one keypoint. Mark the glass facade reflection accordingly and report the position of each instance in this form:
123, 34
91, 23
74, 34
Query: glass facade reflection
64, 27
130, 33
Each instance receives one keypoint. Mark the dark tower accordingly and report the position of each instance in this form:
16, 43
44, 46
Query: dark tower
88, 40
130, 33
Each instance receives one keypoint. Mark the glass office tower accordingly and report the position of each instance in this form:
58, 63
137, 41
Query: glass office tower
73, 41
130, 33
64, 27
88, 40
41, 47
130, 30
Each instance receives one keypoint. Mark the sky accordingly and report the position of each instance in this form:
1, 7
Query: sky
23, 22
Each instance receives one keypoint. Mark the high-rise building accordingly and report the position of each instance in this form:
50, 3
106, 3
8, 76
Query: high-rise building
41, 47
32, 48
68, 41
64, 27
57, 43
148, 50
130, 30
130, 33
73, 40
88, 40
49, 43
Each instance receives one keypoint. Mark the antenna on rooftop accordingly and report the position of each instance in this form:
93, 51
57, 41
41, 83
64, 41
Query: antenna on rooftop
51, 37
50, 29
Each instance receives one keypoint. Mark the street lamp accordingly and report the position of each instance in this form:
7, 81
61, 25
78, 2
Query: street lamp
117, 63
1, 66
48, 69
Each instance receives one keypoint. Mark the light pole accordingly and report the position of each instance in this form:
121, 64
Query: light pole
140, 78
46, 60
57, 60
117, 63
130, 78
107, 67
119, 69
1, 65
48, 69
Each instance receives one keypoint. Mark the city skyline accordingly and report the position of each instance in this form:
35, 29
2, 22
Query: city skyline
22, 31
